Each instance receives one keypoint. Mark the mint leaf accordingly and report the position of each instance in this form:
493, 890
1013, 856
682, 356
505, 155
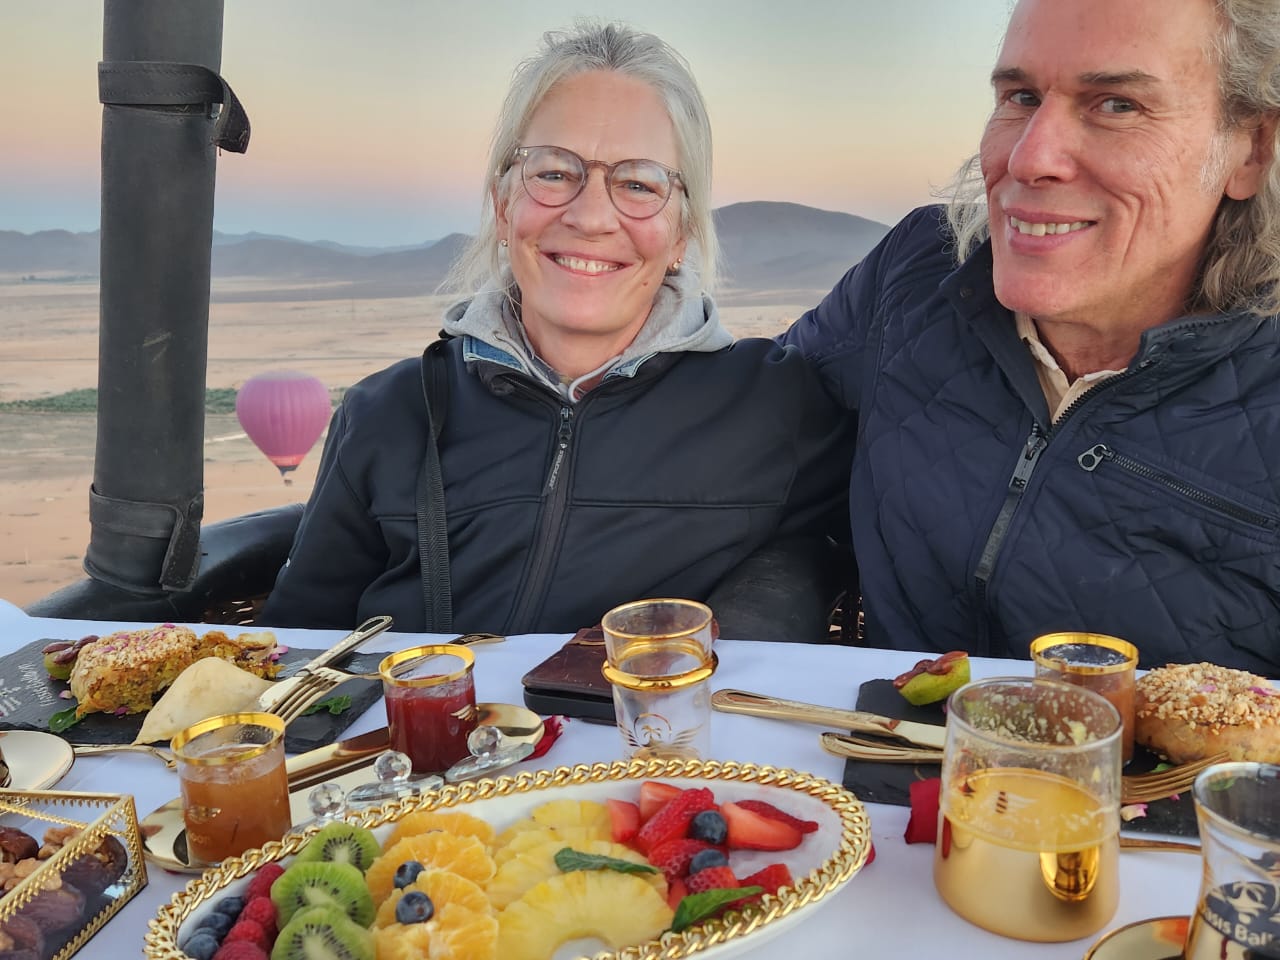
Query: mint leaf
568, 859
63, 720
335, 705
696, 907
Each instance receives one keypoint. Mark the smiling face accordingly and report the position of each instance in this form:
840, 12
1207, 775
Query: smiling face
1104, 162
587, 274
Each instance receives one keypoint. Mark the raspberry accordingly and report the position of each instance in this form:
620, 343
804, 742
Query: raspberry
260, 885
249, 931
262, 911
673, 856
773, 813
673, 819
240, 950
713, 878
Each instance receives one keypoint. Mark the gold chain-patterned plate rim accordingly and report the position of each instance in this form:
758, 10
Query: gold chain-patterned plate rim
845, 861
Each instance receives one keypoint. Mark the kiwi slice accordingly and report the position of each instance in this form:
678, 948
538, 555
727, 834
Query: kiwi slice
340, 842
318, 883
324, 931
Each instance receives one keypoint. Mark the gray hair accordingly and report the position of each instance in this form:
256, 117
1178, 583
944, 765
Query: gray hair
1240, 266
598, 46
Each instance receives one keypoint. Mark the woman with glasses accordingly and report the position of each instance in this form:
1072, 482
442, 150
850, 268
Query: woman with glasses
600, 436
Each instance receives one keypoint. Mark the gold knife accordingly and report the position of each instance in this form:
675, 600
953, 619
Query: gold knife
758, 705
366, 631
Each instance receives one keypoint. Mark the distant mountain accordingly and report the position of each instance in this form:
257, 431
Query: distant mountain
773, 252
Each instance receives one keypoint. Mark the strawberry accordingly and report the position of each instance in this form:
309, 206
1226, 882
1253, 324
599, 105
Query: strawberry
260, 885
625, 817
713, 878
676, 891
653, 796
673, 856
672, 820
766, 809
772, 877
749, 830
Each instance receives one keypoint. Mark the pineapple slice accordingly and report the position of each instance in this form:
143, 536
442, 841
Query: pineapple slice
442, 887
437, 850
530, 866
450, 821
526, 840
584, 819
618, 908
453, 933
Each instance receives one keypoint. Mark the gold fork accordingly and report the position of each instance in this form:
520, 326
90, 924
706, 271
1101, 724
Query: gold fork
1145, 787
1134, 788
311, 687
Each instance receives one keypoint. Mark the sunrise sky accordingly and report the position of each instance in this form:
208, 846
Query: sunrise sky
371, 118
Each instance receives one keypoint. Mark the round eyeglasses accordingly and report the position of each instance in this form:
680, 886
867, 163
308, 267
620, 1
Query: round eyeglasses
553, 176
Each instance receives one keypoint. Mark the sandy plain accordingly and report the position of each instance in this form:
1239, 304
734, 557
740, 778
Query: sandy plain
49, 345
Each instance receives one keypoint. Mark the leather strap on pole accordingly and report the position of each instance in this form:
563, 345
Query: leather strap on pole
179, 523
147, 83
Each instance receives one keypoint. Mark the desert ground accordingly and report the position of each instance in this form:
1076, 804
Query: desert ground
49, 338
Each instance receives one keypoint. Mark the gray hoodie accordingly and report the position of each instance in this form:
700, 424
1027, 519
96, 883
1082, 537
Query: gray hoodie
683, 320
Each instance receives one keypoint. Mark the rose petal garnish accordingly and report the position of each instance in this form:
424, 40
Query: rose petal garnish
1133, 811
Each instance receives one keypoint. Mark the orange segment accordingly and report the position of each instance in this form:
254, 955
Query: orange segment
465, 856
454, 933
443, 887
424, 821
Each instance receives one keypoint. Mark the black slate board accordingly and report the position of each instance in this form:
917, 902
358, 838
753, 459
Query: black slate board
890, 782
29, 697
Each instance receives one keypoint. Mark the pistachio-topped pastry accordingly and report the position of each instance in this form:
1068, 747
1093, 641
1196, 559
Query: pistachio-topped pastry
123, 672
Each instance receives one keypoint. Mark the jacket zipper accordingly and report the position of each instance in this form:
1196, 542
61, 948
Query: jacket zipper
1021, 477
1093, 458
556, 495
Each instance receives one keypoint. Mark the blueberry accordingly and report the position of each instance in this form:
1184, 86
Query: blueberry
406, 873
709, 826
705, 859
414, 907
231, 906
202, 945
217, 924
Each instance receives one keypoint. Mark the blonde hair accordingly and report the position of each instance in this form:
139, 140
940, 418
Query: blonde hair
1240, 265
598, 46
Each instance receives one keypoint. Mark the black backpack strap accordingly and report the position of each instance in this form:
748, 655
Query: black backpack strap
433, 536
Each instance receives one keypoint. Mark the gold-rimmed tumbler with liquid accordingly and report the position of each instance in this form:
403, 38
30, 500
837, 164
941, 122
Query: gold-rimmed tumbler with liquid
1238, 914
1029, 810
430, 694
1106, 665
235, 792
659, 661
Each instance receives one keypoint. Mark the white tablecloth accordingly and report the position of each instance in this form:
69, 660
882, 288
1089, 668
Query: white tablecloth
890, 909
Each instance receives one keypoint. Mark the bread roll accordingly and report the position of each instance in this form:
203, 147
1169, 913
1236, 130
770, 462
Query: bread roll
1189, 711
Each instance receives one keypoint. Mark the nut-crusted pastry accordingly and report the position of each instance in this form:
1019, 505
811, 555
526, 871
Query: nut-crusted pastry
1189, 711
123, 672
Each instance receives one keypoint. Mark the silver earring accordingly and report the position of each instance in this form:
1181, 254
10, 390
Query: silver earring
502, 243
675, 267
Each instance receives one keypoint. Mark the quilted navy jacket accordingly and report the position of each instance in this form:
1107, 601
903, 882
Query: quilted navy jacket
1149, 511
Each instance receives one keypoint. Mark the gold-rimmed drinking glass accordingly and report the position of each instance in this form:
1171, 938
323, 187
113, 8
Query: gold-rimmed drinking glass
1106, 665
1029, 812
659, 662
430, 694
235, 792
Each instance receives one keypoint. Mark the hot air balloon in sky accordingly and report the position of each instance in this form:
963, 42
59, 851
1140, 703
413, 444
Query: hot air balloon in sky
283, 412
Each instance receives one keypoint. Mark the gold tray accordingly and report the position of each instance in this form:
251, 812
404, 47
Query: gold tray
827, 860
99, 815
